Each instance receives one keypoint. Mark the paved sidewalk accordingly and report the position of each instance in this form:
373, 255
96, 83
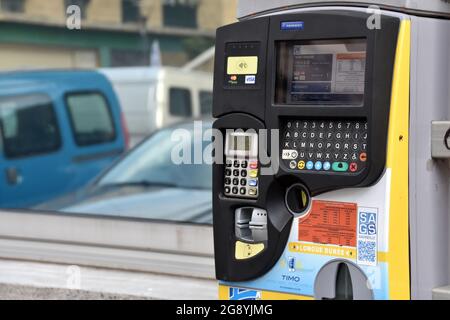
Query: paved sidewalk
31, 280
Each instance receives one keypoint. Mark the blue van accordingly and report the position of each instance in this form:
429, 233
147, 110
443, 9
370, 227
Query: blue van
58, 129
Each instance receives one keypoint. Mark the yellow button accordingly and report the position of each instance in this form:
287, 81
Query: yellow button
246, 250
242, 65
253, 192
301, 165
253, 173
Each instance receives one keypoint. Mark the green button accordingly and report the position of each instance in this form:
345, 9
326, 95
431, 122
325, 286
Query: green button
340, 166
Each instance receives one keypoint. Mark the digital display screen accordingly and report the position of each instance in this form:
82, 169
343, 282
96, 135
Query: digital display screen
321, 72
241, 143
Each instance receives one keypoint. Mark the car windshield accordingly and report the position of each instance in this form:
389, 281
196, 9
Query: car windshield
152, 163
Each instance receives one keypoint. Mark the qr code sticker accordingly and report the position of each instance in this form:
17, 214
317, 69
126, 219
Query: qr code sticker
367, 252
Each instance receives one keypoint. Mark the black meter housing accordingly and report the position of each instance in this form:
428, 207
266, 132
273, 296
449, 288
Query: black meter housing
279, 96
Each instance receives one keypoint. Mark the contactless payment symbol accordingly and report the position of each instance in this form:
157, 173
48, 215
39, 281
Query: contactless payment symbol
242, 65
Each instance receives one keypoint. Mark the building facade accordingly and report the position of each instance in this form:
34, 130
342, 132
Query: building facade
35, 33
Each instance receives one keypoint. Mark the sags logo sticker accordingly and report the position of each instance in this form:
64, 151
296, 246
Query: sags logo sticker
367, 246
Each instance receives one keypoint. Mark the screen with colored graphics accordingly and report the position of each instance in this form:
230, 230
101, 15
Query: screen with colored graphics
321, 72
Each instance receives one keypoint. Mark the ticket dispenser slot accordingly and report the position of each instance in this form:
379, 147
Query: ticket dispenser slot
325, 89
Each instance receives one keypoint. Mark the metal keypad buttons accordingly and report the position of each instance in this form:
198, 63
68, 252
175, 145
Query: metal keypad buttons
241, 178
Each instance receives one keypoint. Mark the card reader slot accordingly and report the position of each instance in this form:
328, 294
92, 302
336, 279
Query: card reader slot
251, 224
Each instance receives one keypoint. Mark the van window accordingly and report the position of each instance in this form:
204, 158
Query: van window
28, 125
91, 118
205, 98
180, 102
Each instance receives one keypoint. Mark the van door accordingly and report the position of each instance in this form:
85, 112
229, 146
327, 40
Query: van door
95, 138
30, 150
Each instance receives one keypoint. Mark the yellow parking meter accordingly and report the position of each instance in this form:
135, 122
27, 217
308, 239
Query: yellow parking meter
328, 188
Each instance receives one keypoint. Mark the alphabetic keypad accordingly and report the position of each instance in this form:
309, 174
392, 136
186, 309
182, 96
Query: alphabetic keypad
325, 146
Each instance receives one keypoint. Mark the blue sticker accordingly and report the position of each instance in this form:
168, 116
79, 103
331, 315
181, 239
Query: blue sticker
367, 246
244, 294
292, 25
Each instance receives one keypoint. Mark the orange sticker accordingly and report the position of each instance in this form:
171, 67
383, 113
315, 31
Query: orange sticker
329, 222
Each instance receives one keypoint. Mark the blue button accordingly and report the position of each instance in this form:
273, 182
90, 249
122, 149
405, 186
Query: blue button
252, 183
309, 165
326, 166
318, 165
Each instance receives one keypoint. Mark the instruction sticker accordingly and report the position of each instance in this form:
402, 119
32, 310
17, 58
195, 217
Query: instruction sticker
329, 222
367, 247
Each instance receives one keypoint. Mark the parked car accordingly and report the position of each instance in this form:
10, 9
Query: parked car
154, 97
58, 129
145, 183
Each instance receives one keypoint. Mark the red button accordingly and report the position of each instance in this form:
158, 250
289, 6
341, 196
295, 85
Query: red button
353, 167
254, 165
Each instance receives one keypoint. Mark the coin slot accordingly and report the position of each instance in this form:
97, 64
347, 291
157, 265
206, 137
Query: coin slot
297, 200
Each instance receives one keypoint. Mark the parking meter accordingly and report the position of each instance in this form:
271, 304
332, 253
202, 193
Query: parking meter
314, 196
